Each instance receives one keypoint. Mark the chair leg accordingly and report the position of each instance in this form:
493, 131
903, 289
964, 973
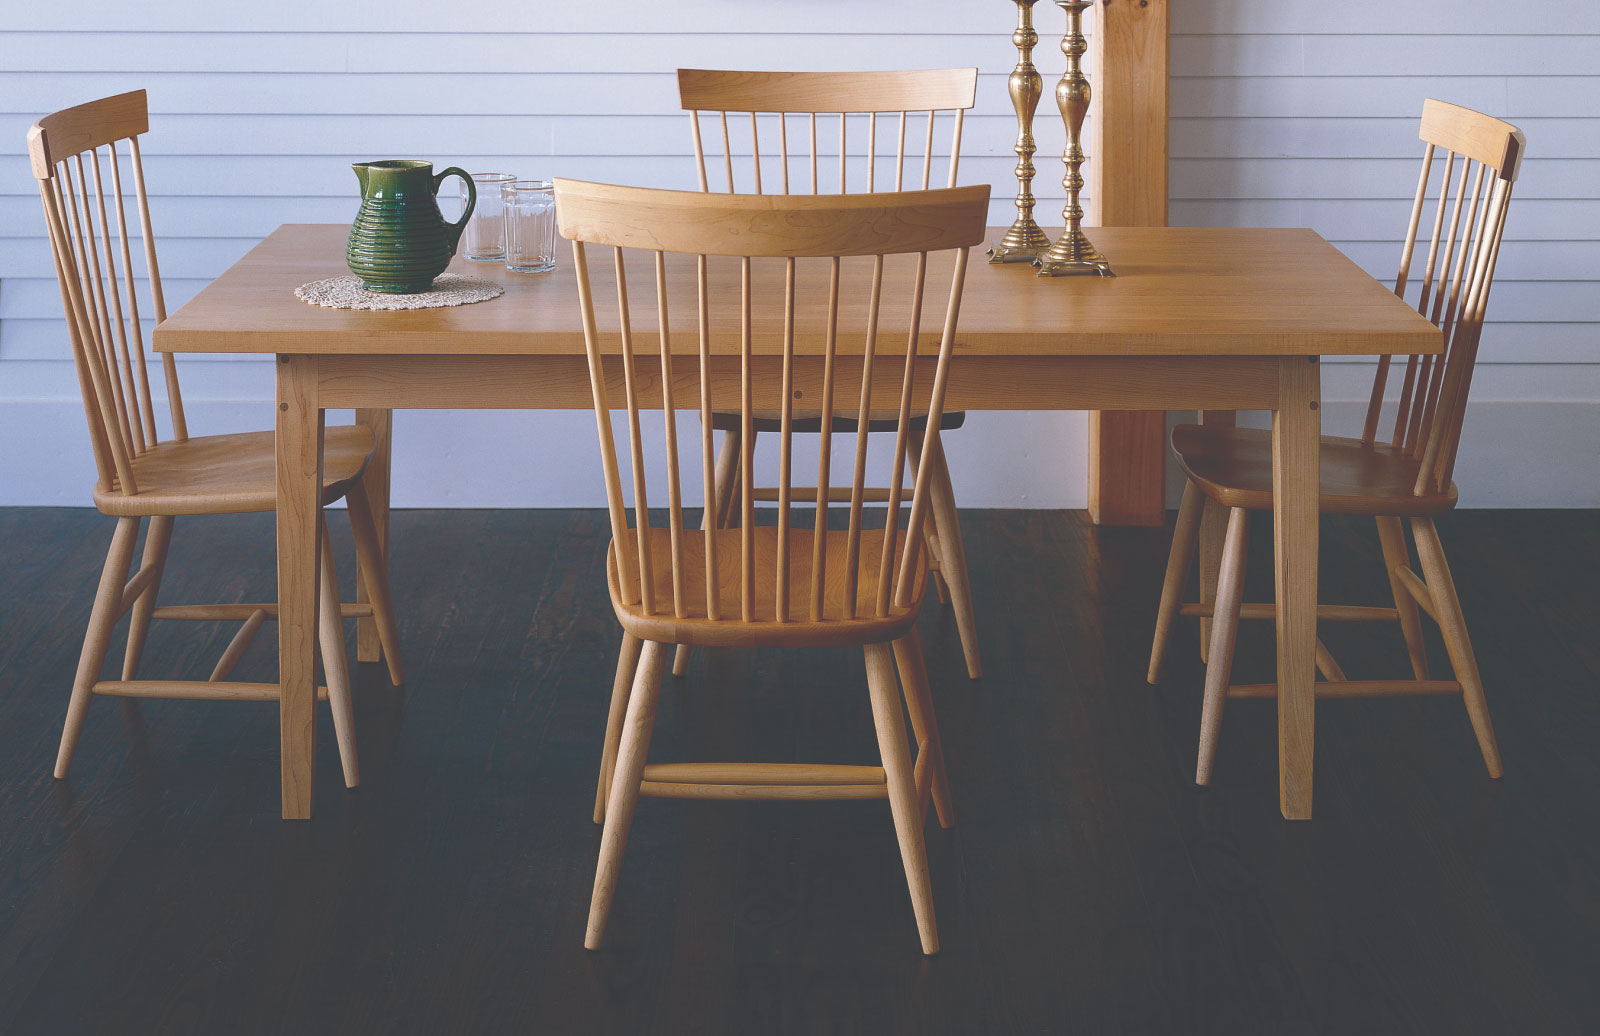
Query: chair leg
724, 479
953, 559
1184, 537
1327, 665
156, 542
1447, 606
102, 619
374, 570
924, 723
1391, 534
930, 541
627, 664
1224, 631
335, 666
903, 804
1213, 526
631, 753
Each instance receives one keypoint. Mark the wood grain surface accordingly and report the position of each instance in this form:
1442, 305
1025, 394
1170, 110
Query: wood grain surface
1177, 291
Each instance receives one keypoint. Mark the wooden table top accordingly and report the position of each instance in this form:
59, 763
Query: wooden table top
1178, 291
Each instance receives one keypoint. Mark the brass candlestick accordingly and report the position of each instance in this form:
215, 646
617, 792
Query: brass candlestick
1024, 241
1072, 253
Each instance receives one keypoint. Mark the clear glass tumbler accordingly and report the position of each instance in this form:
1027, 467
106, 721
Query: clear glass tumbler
530, 215
486, 231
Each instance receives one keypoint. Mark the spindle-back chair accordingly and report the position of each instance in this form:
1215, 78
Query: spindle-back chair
1407, 476
140, 473
786, 586
912, 103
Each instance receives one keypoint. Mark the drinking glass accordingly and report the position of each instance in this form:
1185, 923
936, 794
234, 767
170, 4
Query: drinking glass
530, 217
486, 231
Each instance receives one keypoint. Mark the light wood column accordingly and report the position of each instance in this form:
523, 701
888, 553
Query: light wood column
1296, 473
299, 470
1128, 72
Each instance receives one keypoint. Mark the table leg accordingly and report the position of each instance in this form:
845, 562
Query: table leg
1213, 524
1296, 463
368, 648
299, 476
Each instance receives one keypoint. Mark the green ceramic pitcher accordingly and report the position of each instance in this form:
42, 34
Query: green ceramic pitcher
400, 242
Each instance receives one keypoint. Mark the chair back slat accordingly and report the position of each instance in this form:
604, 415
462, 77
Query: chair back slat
1409, 419
872, 151
747, 448
819, 539
707, 464
814, 185
835, 581
169, 363
1431, 375
1444, 441
858, 480
1431, 265
116, 464
669, 419
902, 438
630, 390
930, 437
101, 310
727, 151
844, 151
755, 149
133, 403
1467, 224
85, 207
785, 443
615, 506
135, 329
1369, 432
801, 93
66, 281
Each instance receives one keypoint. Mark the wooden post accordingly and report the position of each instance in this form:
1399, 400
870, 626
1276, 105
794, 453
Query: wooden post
1128, 176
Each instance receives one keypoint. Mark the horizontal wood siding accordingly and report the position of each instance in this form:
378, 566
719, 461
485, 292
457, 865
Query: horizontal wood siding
1282, 116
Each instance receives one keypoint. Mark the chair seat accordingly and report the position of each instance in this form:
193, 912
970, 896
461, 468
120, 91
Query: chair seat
766, 631
1233, 466
230, 474
811, 420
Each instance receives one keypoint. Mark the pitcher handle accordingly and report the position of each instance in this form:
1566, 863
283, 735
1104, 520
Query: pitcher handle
453, 230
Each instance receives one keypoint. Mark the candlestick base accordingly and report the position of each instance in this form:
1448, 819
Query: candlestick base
1073, 255
1023, 243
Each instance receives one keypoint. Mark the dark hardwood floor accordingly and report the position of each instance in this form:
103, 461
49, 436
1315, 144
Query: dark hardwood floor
1088, 887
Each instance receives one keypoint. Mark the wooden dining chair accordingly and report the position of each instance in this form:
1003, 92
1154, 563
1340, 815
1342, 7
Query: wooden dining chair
929, 95
783, 586
142, 475
1406, 477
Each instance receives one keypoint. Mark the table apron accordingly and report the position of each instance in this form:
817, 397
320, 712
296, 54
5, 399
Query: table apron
549, 382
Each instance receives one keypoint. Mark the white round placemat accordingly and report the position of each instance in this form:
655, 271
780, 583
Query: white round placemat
449, 289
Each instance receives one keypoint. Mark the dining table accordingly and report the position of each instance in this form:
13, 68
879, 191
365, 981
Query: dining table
1210, 319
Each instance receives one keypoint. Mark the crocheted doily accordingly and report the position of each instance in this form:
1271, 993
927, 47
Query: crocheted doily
449, 289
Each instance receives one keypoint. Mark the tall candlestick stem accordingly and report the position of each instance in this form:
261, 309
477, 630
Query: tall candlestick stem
1072, 253
1024, 241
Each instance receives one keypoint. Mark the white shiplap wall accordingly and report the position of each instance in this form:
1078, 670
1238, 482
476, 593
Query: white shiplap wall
1284, 113
1305, 114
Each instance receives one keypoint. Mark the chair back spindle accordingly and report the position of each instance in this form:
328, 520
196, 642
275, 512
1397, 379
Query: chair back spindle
85, 209
780, 250
1482, 157
847, 96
